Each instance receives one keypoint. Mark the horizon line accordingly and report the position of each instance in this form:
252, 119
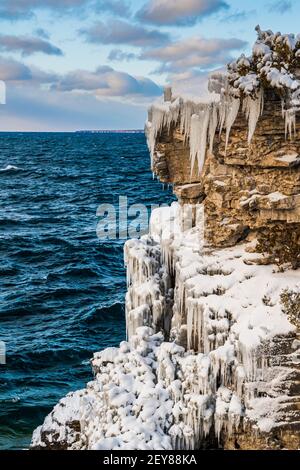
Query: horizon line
95, 131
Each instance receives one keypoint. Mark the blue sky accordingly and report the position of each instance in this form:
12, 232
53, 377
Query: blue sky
90, 64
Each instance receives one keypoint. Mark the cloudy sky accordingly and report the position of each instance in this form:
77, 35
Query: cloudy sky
91, 64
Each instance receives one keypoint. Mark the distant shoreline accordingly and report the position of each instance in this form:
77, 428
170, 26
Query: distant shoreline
111, 131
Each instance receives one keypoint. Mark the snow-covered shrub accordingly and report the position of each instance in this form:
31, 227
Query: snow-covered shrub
290, 301
274, 63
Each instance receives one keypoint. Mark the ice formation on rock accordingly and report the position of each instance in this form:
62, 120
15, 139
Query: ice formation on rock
200, 121
149, 290
274, 63
161, 115
253, 108
198, 138
123, 408
209, 379
231, 114
290, 123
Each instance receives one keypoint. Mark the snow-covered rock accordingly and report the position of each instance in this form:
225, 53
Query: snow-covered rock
216, 374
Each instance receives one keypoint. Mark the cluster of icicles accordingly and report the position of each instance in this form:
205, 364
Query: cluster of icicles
148, 287
199, 122
206, 387
204, 401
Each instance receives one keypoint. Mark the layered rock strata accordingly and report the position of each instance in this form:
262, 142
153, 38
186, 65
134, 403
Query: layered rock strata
245, 188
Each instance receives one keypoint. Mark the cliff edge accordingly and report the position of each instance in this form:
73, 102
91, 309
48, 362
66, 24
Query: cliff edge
213, 302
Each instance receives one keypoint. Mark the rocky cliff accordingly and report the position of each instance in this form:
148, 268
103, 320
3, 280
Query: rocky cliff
245, 188
212, 308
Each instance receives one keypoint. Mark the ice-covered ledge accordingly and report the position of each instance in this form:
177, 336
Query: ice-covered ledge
226, 377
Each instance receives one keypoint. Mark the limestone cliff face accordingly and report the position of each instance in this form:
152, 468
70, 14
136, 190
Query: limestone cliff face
245, 188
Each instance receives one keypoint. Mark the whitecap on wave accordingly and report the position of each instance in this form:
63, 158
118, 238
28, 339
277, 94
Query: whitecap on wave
10, 168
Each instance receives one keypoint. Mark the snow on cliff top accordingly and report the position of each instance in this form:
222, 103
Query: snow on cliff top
274, 63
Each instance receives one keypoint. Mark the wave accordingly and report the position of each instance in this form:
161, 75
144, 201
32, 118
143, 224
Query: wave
103, 313
8, 270
10, 168
76, 272
46, 355
63, 289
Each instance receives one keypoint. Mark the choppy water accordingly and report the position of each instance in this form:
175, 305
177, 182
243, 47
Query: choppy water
61, 289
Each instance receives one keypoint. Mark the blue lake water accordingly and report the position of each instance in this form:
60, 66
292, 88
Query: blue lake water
61, 288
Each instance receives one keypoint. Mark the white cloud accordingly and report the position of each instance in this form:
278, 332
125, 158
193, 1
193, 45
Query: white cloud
22, 9
105, 98
122, 32
27, 45
12, 70
105, 81
194, 52
118, 55
192, 82
280, 6
178, 12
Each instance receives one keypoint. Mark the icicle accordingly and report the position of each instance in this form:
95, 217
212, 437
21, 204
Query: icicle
222, 115
140, 316
282, 108
149, 132
253, 109
167, 254
262, 104
194, 139
198, 138
254, 363
185, 119
200, 328
213, 122
239, 380
234, 414
160, 116
290, 123
289, 116
194, 325
180, 297
145, 280
197, 413
223, 401
231, 115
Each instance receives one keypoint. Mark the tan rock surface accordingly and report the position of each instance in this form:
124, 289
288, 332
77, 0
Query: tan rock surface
245, 188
